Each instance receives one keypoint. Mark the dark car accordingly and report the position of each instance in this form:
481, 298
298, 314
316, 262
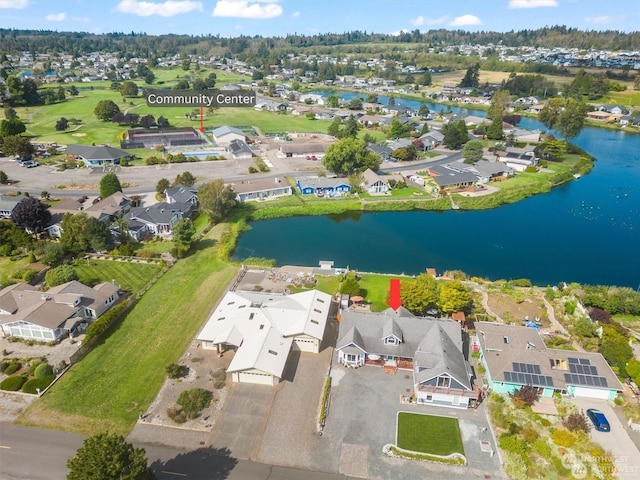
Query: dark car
599, 420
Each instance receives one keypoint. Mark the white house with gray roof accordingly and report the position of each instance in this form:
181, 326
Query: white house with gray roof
431, 348
96, 155
181, 194
225, 134
262, 328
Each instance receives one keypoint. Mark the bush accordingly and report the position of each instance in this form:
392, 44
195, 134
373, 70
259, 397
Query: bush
526, 395
32, 386
194, 400
563, 438
13, 368
3, 366
542, 448
218, 384
577, 421
174, 370
102, 324
59, 275
521, 282
176, 414
12, 384
43, 370
145, 253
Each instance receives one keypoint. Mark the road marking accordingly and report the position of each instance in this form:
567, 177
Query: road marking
5, 446
174, 473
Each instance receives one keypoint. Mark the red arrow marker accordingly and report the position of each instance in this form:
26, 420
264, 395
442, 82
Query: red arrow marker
394, 294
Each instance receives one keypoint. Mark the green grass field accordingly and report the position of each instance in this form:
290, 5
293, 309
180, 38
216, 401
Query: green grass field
123, 373
429, 434
9, 268
131, 277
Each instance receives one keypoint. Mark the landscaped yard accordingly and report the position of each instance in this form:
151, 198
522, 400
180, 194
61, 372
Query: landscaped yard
429, 434
131, 277
122, 374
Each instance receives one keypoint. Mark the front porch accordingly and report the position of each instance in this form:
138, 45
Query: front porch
398, 363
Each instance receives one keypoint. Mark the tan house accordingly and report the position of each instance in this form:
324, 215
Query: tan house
374, 184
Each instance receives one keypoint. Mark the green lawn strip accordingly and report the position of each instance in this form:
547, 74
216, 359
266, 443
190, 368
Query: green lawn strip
429, 434
328, 283
123, 373
375, 290
131, 276
9, 267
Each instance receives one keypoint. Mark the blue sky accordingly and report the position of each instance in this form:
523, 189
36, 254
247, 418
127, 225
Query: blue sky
281, 17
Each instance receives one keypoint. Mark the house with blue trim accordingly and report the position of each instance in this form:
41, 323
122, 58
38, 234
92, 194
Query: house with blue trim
514, 356
323, 186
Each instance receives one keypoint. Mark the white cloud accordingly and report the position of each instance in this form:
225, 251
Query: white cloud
532, 3
17, 4
56, 17
465, 20
168, 8
420, 20
296, 14
247, 9
80, 19
601, 19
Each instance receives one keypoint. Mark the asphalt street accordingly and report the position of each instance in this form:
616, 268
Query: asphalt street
28, 453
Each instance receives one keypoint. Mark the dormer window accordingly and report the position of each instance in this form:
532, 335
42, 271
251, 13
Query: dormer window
391, 340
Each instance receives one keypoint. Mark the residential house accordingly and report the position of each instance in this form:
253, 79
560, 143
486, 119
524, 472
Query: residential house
487, 171
374, 184
612, 108
431, 348
51, 315
514, 356
263, 189
382, 151
600, 115
323, 186
157, 219
7, 204
239, 149
181, 194
67, 205
431, 139
225, 134
447, 178
108, 208
518, 158
96, 156
263, 328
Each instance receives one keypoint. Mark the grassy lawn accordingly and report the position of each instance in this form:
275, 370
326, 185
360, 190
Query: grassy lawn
375, 290
409, 192
9, 268
328, 283
429, 434
131, 277
123, 373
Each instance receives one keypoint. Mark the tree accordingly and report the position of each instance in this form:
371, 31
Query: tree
472, 151
350, 285
149, 77
423, 111
392, 101
471, 77
499, 103
495, 132
129, 89
98, 235
11, 127
615, 348
17, 145
162, 185
105, 110
62, 125
355, 103
73, 91
184, 233
451, 136
186, 178
59, 275
31, 214
333, 101
147, 121
10, 113
74, 232
425, 80
162, 122
577, 421
567, 116
52, 253
399, 129
106, 457
4, 179
371, 98
216, 199
109, 184
349, 155
194, 400
463, 133
183, 84
454, 297
351, 127
419, 295
334, 127
526, 395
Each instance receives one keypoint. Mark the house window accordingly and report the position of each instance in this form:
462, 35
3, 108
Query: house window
317, 311
444, 381
429, 398
351, 357
251, 315
391, 341
505, 339
272, 352
319, 300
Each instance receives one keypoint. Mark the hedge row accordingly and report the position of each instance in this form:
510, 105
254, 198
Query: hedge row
101, 325
12, 384
32, 386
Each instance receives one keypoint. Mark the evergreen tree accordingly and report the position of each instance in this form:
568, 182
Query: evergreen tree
495, 132
109, 184
471, 77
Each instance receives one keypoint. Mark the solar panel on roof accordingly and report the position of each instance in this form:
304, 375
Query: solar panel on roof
536, 369
603, 381
589, 379
584, 361
507, 376
572, 360
593, 370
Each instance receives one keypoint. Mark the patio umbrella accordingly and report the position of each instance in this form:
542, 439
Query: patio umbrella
356, 298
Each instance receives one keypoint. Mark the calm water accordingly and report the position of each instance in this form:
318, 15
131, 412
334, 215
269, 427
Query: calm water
587, 231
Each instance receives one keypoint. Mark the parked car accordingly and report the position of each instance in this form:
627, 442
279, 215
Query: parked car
29, 164
599, 420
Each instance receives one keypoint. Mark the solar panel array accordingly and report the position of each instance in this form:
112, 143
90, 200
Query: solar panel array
529, 379
579, 361
526, 368
585, 380
583, 369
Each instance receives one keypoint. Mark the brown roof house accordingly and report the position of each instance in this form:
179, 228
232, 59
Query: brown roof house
51, 315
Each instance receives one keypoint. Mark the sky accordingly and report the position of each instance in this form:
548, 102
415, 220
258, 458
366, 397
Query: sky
231, 18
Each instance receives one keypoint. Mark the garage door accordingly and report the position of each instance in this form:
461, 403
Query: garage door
306, 345
260, 378
591, 393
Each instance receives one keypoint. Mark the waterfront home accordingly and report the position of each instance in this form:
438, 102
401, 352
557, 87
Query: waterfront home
323, 186
262, 189
374, 184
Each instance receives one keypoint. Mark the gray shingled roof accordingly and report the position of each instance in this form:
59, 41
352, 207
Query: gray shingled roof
99, 152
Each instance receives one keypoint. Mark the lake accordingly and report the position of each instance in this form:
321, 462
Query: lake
587, 231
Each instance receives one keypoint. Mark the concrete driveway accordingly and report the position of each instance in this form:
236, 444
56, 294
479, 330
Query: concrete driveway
617, 441
242, 419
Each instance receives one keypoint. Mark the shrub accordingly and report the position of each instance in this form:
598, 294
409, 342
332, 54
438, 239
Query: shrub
218, 384
521, 282
100, 326
563, 438
175, 370
27, 274
59, 275
43, 370
219, 374
526, 395
3, 366
253, 169
13, 368
12, 384
542, 448
577, 421
176, 414
194, 400
32, 386
145, 253
530, 435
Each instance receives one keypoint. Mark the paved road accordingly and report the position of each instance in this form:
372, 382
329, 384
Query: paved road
28, 453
